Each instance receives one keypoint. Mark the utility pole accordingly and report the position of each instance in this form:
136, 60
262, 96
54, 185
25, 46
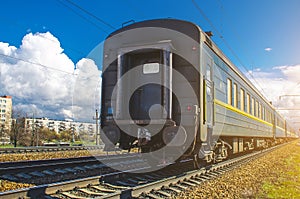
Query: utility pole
97, 128
33, 130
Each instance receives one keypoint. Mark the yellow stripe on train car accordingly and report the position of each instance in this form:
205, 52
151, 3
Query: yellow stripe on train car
229, 107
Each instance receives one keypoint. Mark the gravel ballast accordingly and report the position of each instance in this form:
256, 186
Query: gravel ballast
247, 180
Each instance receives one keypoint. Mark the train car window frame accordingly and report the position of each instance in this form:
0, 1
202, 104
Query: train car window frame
248, 108
252, 106
259, 110
242, 96
235, 95
229, 91
256, 108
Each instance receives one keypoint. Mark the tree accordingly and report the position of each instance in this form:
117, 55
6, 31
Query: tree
3, 133
18, 127
24, 137
45, 135
65, 136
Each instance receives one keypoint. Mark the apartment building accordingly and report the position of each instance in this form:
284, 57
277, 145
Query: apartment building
5, 117
60, 125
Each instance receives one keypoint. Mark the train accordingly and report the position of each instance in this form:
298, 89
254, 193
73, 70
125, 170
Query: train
170, 91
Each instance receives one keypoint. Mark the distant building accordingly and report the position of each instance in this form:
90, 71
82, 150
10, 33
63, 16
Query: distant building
60, 125
5, 117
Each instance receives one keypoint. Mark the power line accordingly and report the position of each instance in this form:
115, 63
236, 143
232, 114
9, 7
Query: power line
48, 67
225, 42
37, 64
91, 14
80, 15
237, 36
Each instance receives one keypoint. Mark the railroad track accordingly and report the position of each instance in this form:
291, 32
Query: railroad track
53, 170
160, 184
47, 149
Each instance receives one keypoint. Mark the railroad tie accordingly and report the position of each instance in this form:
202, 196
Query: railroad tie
72, 196
23, 175
151, 177
164, 193
153, 196
205, 177
133, 181
116, 186
37, 174
212, 175
86, 191
142, 179
188, 183
200, 179
102, 189
174, 189
194, 181
180, 186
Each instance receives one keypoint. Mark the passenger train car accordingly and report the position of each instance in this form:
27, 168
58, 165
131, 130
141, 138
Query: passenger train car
167, 88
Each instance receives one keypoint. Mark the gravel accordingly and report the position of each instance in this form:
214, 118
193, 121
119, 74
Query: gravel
7, 185
245, 181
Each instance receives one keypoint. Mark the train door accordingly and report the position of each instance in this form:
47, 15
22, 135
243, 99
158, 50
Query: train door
147, 86
209, 96
208, 99
146, 95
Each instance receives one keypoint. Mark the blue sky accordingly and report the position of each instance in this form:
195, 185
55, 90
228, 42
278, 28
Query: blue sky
260, 36
247, 26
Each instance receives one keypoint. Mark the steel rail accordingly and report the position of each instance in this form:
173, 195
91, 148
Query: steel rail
145, 190
47, 149
56, 170
227, 165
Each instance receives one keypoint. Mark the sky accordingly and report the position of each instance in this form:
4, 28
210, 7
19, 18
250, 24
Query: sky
45, 47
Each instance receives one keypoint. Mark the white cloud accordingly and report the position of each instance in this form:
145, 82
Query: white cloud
86, 96
268, 49
281, 85
41, 78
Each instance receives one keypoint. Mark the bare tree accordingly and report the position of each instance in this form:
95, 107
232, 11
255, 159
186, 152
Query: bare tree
18, 126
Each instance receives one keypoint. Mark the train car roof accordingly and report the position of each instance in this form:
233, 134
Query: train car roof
194, 31
182, 26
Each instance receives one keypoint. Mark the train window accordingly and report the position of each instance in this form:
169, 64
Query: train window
260, 110
252, 106
248, 103
269, 116
151, 68
208, 72
242, 99
235, 95
229, 91
256, 108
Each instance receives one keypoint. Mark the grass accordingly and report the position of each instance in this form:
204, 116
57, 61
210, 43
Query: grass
287, 183
6, 146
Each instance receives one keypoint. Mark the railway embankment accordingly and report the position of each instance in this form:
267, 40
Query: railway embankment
275, 175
